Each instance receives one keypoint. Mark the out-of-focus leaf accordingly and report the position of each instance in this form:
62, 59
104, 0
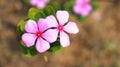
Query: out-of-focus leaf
26, 1
29, 51
35, 14
69, 5
110, 46
82, 19
95, 5
49, 11
54, 46
56, 5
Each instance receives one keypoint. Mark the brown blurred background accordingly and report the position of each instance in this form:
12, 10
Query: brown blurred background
96, 45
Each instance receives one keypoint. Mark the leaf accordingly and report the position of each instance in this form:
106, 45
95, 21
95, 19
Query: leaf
29, 51
49, 11
69, 5
38, 15
54, 46
21, 24
55, 5
35, 14
26, 1
20, 27
95, 5
82, 19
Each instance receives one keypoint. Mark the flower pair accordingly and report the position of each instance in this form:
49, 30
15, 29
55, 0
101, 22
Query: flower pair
46, 31
82, 7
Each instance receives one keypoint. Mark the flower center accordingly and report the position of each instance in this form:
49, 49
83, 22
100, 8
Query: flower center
39, 34
60, 27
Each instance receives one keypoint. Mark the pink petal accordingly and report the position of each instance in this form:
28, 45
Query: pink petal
82, 1
29, 39
62, 17
64, 39
88, 7
71, 27
86, 10
33, 2
42, 45
46, 1
41, 4
86, 1
51, 35
31, 26
42, 25
77, 9
79, 1
51, 21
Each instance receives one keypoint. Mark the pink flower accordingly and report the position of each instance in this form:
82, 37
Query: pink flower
62, 26
39, 35
82, 7
39, 3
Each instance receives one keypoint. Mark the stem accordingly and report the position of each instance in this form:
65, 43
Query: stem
45, 58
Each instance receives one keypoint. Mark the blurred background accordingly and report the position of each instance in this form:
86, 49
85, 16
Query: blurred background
96, 45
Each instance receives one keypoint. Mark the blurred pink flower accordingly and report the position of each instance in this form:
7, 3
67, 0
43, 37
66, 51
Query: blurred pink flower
82, 7
62, 26
39, 3
38, 33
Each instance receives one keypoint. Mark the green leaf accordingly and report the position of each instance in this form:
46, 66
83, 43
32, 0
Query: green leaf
95, 5
38, 15
20, 28
69, 5
49, 11
26, 1
82, 19
35, 14
21, 24
54, 46
29, 51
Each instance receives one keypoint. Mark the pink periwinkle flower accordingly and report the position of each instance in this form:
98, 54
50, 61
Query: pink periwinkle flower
39, 3
39, 35
82, 7
62, 26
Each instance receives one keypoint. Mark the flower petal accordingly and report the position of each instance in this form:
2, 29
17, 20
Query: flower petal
51, 35
71, 27
42, 25
87, 10
33, 2
31, 26
41, 4
82, 1
62, 17
79, 1
46, 1
87, 1
29, 39
64, 39
51, 21
42, 45
77, 9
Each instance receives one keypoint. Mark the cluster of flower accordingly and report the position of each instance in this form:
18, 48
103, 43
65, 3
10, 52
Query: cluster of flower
46, 31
